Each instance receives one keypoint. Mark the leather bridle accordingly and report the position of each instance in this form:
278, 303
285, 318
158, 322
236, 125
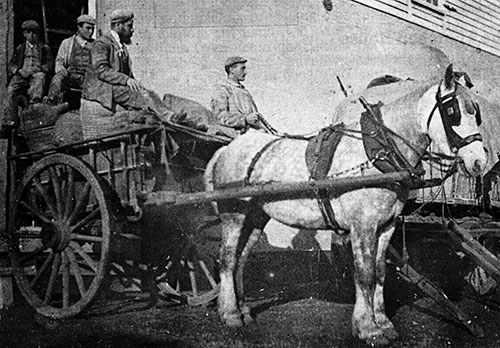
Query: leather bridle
449, 109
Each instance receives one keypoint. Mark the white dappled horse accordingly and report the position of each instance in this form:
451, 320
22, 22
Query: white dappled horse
368, 214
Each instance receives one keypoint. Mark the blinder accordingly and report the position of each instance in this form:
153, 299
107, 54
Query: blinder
449, 109
452, 109
479, 120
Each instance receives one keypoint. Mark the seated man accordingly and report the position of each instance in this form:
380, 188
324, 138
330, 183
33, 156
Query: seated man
110, 80
30, 67
72, 61
232, 104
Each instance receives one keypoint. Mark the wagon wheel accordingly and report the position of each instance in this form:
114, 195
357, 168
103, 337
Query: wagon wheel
61, 221
191, 276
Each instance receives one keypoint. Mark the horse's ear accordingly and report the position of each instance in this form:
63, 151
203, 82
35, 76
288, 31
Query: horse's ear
449, 78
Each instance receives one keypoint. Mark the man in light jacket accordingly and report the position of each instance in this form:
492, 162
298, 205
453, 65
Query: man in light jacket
72, 61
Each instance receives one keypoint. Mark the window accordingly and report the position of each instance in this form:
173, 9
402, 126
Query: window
435, 5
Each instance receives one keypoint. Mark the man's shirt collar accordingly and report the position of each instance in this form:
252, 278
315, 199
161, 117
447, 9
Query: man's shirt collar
116, 37
81, 41
235, 84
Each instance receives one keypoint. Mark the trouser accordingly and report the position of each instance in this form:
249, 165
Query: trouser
61, 82
144, 100
34, 86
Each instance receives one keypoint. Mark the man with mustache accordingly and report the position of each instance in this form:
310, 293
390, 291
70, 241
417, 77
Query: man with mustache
232, 104
110, 81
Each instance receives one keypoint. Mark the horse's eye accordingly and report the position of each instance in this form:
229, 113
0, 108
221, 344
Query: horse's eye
469, 107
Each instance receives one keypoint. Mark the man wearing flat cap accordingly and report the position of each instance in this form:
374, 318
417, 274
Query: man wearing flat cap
232, 104
110, 81
31, 66
72, 60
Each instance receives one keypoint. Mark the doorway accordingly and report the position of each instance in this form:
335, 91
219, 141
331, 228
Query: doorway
57, 19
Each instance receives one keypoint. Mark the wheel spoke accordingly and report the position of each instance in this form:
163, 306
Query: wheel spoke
53, 277
69, 192
75, 269
88, 260
46, 197
32, 254
95, 213
204, 267
86, 238
81, 202
192, 278
65, 279
36, 212
56, 185
42, 269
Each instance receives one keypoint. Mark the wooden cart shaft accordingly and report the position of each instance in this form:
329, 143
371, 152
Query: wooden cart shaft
275, 189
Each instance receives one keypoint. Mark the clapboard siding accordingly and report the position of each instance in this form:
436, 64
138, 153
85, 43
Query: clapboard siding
428, 15
489, 15
471, 31
474, 22
470, 19
396, 7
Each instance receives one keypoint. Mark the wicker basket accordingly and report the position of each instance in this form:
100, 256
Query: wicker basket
97, 121
40, 138
68, 129
37, 125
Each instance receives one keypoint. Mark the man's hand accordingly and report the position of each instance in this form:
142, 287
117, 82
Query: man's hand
24, 73
135, 85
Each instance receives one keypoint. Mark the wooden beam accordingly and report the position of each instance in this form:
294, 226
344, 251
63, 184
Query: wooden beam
482, 256
434, 292
273, 190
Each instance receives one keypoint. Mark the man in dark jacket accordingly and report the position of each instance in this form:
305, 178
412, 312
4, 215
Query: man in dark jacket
110, 81
30, 68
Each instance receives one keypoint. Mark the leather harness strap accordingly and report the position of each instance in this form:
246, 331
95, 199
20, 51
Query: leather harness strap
319, 156
257, 156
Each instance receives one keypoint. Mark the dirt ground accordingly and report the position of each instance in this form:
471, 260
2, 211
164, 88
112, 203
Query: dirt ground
119, 320
307, 302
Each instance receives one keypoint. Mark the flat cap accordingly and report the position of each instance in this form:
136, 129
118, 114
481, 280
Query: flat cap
233, 60
30, 25
120, 16
85, 18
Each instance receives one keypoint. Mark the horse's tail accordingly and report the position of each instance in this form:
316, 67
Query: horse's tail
208, 177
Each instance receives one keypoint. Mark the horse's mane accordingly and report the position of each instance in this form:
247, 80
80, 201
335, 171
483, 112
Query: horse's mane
404, 91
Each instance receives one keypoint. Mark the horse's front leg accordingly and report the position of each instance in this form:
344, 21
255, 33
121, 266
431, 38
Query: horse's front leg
381, 268
364, 248
232, 224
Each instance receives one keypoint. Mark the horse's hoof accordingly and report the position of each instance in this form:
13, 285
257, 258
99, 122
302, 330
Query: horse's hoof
232, 320
391, 333
247, 319
245, 312
377, 341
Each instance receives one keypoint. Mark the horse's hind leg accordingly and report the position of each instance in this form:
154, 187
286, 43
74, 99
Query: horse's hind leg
381, 267
232, 224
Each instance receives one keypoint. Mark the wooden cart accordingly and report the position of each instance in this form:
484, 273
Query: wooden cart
74, 208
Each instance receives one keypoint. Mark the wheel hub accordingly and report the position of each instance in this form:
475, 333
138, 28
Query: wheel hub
56, 236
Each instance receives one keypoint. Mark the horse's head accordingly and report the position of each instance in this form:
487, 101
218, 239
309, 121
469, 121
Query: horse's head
456, 132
